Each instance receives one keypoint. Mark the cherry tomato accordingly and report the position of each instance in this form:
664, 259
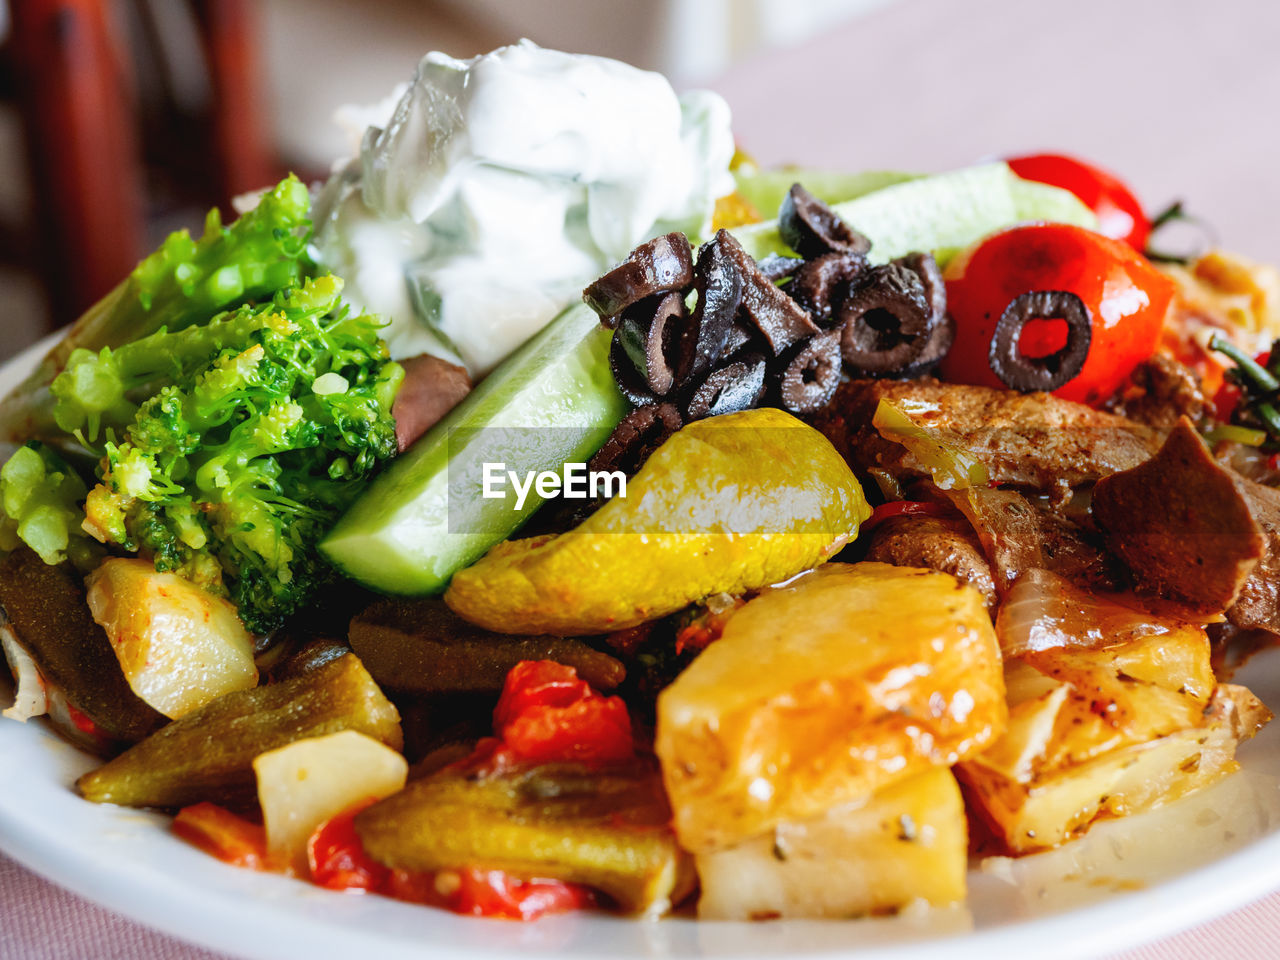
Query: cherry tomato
493, 893
219, 832
337, 857
546, 714
1119, 213
1126, 297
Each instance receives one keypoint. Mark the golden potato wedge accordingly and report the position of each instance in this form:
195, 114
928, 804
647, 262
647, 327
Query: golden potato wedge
1112, 709
822, 691
726, 505
305, 783
906, 842
1040, 810
179, 646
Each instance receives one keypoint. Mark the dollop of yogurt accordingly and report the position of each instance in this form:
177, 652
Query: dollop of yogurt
500, 186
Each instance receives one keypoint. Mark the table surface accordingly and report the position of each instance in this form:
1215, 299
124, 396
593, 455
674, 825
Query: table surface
1178, 96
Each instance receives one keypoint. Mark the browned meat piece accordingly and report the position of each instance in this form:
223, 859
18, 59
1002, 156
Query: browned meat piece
939, 543
421, 646
1185, 526
432, 387
1258, 605
1161, 391
1033, 439
1018, 535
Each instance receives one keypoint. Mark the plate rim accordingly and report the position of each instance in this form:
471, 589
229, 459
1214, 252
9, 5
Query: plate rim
214, 918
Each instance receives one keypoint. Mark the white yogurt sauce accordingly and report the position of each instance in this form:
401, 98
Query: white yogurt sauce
500, 186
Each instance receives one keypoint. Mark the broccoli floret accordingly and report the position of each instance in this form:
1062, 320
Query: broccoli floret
232, 471
40, 497
181, 285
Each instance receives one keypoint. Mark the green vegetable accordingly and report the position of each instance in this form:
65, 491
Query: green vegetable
952, 468
183, 283
1261, 386
942, 213
764, 189
40, 497
554, 401
265, 429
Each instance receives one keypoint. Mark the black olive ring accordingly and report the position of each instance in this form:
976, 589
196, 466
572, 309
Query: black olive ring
1020, 372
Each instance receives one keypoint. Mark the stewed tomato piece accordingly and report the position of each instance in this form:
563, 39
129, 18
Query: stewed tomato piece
1119, 213
1119, 295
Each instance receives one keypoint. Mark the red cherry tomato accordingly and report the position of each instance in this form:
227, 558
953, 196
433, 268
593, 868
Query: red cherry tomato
546, 714
219, 832
1126, 297
338, 859
1119, 213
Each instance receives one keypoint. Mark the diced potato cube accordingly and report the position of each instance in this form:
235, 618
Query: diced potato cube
302, 785
179, 646
905, 842
821, 692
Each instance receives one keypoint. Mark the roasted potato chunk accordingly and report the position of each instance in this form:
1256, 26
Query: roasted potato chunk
179, 646
823, 691
1120, 715
908, 841
305, 783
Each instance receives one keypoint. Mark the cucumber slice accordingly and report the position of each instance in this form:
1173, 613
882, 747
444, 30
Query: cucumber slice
943, 213
764, 189
553, 401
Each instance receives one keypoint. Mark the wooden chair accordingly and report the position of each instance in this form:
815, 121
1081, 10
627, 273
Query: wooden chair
98, 150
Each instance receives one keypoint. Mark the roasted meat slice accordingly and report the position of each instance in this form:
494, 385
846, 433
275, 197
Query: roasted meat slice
1197, 532
1018, 535
1033, 440
938, 543
432, 387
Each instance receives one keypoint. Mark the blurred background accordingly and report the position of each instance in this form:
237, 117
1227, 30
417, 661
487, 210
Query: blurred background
121, 120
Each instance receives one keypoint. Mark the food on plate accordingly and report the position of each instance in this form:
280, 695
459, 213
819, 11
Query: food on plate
553, 510
1112, 710
726, 505
1053, 307
308, 782
904, 843
894, 670
208, 754
179, 646
552, 402
73, 673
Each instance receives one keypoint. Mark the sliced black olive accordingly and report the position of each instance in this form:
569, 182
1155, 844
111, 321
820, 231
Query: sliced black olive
780, 319
811, 228
886, 321
718, 280
650, 332
630, 381
935, 289
656, 266
738, 386
809, 381
640, 432
776, 267
821, 284
1018, 371
936, 347
741, 335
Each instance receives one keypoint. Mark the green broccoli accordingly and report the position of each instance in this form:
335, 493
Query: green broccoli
40, 505
262, 427
182, 284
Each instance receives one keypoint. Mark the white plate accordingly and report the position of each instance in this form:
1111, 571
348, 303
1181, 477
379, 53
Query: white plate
1125, 882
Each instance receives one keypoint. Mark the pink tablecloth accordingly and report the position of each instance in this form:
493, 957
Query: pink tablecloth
1180, 96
